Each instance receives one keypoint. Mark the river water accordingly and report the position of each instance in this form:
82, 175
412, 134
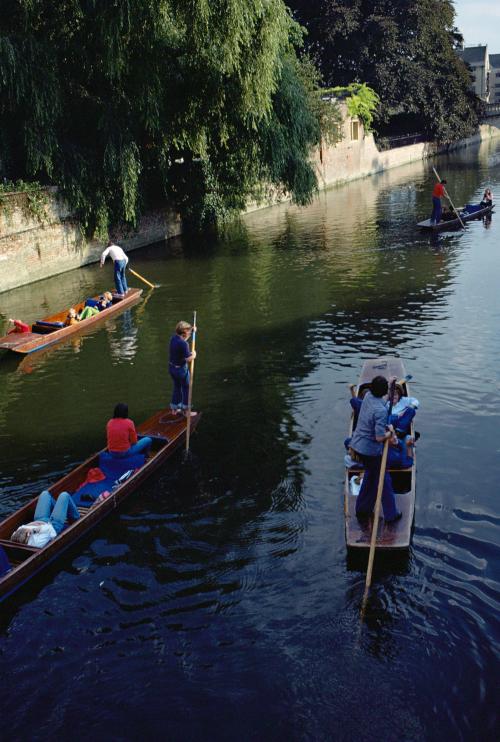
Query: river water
219, 602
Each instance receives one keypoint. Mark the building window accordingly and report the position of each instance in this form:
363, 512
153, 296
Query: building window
354, 130
497, 74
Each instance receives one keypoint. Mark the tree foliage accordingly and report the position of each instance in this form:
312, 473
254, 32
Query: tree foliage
404, 50
361, 101
123, 103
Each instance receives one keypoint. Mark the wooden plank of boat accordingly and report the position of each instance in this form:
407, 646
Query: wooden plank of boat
453, 223
390, 535
29, 342
168, 433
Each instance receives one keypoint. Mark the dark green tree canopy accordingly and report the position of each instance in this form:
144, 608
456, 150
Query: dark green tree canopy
122, 103
404, 50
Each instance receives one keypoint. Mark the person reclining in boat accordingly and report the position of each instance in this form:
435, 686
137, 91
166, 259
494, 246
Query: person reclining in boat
87, 312
487, 199
122, 435
105, 301
403, 411
19, 326
403, 408
399, 453
50, 519
72, 317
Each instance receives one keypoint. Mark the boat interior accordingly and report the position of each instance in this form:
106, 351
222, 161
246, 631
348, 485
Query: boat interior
18, 553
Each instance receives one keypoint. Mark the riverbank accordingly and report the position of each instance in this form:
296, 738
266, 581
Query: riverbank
35, 246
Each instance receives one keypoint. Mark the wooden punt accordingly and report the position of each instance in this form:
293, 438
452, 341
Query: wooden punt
168, 433
390, 535
41, 336
454, 223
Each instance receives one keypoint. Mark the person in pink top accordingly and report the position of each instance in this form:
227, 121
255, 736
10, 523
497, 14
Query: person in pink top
18, 326
122, 435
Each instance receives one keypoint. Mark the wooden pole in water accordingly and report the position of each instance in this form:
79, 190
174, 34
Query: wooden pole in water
449, 199
190, 393
138, 275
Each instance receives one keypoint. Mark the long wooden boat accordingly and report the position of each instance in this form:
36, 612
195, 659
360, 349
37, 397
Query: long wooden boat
454, 223
390, 535
168, 433
49, 331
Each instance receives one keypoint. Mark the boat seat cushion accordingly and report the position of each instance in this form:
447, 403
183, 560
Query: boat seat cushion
88, 493
114, 468
471, 208
45, 323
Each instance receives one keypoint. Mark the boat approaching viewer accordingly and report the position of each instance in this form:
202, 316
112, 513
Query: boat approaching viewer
395, 535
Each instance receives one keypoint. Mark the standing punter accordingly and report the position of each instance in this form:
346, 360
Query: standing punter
437, 194
120, 260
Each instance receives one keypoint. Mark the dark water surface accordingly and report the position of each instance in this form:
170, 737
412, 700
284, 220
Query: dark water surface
219, 603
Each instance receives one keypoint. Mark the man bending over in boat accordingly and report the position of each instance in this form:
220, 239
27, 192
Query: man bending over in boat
18, 326
367, 442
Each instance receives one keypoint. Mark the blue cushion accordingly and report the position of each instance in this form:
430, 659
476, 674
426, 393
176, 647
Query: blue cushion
44, 323
471, 208
114, 468
89, 492
92, 303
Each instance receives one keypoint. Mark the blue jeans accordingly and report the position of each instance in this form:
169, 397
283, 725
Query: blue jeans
436, 210
120, 277
55, 512
142, 446
368, 492
180, 394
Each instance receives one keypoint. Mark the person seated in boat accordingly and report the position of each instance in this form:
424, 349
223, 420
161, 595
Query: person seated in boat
87, 312
399, 453
367, 443
403, 411
122, 435
19, 326
105, 301
49, 520
72, 317
487, 199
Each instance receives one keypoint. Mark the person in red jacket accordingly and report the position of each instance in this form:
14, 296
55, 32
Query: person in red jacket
437, 194
122, 435
18, 326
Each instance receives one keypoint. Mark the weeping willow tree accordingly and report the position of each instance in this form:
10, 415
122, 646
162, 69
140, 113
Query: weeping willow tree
122, 104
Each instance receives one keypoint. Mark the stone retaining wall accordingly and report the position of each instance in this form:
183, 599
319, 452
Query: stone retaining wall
31, 250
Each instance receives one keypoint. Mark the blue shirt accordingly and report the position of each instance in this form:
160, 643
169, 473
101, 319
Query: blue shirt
179, 350
371, 423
